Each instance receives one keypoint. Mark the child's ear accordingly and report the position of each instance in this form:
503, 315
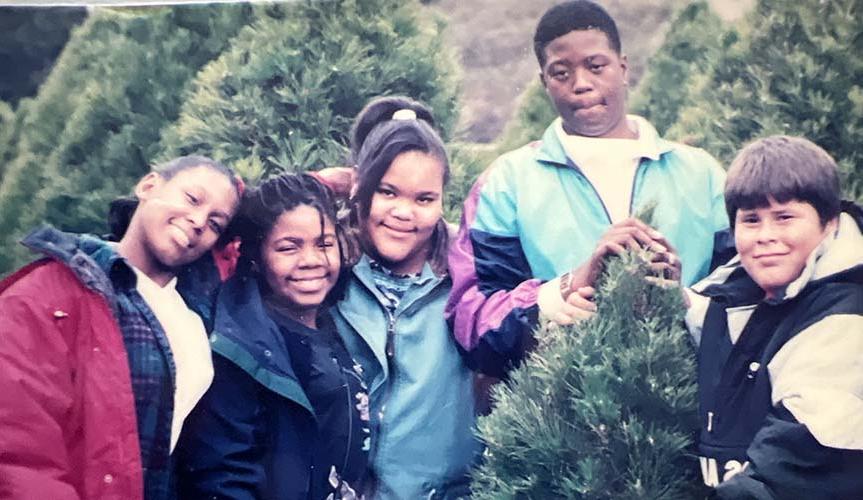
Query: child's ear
148, 184
542, 79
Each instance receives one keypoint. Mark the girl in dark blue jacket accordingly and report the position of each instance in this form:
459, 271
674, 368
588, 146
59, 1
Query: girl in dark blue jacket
287, 414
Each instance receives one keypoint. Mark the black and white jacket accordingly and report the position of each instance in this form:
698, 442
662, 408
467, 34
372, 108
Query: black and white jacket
781, 380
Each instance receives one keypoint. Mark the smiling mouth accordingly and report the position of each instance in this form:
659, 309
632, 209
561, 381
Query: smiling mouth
181, 237
399, 230
306, 280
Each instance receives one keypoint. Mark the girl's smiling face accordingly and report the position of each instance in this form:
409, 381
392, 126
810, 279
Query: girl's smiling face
404, 211
301, 261
179, 219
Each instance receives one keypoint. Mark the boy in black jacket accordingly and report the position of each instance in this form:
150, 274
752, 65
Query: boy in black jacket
780, 332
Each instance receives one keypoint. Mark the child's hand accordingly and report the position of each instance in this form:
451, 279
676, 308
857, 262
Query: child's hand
579, 306
629, 234
666, 266
340, 179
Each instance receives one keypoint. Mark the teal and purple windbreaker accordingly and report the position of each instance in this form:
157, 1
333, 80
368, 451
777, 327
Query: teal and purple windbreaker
533, 215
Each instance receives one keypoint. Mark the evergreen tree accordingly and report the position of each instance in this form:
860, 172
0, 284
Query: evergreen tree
535, 112
95, 124
30, 40
284, 95
695, 40
605, 409
797, 69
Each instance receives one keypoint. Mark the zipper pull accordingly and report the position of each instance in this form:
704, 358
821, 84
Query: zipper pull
710, 421
391, 344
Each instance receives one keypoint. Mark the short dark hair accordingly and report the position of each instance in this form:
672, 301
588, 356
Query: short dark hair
377, 139
573, 16
121, 209
783, 168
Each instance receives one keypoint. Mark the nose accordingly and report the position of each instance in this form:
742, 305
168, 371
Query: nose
197, 220
767, 232
402, 209
581, 81
312, 256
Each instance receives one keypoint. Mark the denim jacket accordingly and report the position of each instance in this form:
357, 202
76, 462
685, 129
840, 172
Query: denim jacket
421, 400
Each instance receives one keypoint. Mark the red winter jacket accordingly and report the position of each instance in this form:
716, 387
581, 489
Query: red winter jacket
67, 414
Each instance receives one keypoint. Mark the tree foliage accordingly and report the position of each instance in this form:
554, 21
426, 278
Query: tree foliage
796, 69
284, 96
604, 409
696, 38
30, 40
95, 124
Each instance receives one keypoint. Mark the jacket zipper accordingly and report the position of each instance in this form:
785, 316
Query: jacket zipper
390, 354
598, 197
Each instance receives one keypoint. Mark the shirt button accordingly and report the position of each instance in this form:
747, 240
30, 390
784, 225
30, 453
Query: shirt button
108, 479
268, 353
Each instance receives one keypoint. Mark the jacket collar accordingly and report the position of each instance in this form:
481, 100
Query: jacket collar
100, 268
94, 262
245, 334
363, 271
551, 150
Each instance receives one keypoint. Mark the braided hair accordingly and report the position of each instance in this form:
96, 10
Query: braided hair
262, 206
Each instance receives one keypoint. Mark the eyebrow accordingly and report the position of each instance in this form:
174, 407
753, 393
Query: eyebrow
295, 239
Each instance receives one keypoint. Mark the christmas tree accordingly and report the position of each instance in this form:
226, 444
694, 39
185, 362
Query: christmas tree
283, 97
604, 409
94, 126
796, 69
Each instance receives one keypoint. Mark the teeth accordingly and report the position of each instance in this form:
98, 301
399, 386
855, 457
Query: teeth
181, 236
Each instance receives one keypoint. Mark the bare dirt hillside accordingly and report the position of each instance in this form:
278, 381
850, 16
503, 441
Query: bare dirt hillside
493, 38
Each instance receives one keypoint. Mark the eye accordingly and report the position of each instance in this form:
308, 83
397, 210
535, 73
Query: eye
560, 74
596, 67
425, 200
192, 199
215, 226
749, 218
286, 248
389, 193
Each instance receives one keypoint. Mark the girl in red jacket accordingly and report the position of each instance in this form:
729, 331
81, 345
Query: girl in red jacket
101, 351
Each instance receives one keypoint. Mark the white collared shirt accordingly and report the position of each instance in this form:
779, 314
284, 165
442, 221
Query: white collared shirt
189, 344
610, 164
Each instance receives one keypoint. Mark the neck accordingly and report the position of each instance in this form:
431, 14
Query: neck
132, 248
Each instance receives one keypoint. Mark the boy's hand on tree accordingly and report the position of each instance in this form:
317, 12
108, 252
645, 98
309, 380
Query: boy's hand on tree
629, 234
579, 306
666, 266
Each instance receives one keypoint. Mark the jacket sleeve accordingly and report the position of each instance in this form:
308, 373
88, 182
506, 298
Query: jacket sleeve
220, 452
810, 445
493, 304
36, 395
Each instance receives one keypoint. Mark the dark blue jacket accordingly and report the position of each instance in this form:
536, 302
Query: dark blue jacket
259, 433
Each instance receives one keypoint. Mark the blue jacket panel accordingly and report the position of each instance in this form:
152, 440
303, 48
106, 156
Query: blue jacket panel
421, 400
256, 434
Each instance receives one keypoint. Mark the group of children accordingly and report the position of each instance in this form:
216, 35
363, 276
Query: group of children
339, 358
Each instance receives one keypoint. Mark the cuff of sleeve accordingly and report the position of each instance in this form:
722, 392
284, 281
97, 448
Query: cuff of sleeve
548, 298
